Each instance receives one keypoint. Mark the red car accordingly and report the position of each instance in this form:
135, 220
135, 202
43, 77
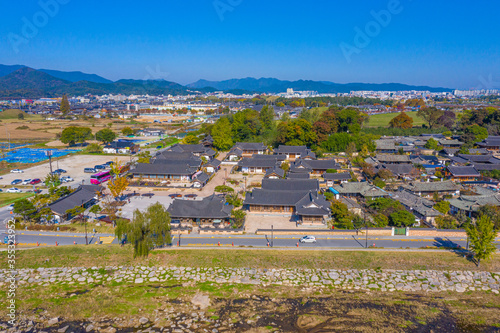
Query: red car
35, 181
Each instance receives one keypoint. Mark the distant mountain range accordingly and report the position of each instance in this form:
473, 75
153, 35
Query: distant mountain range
18, 81
271, 85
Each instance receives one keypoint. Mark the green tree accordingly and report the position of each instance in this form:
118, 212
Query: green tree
95, 209
191, 139
401, 121
341, 214
482, 238
64, 107
442, 206
431, 144
127, 131
25, 208
20, 116
105, 135
147, 230
221, 134
401, 218
430, 115
296, 132
381, 221
446, 222
266, 116
238, 216
94, 148
223, 189
73, 134
143, 157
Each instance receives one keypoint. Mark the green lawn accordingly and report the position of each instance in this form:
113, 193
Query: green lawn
114, 255
382, 120
8, 198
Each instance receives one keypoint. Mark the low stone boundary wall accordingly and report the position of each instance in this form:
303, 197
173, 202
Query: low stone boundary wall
362, 279
326, 232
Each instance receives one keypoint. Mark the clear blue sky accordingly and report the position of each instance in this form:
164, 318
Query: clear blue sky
438, 43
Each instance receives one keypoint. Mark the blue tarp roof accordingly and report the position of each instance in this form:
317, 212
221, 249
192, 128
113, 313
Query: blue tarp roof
334, 191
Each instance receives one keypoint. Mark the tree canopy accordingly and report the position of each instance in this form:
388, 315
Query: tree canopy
74, 134
105, 135
401, 121
482, 238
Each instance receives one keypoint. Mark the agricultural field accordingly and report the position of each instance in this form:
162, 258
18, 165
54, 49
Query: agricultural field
382, 120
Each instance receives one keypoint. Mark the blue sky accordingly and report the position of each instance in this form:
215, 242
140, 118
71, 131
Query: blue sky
437, 43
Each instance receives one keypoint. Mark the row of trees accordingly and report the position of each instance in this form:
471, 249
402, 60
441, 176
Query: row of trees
74, 134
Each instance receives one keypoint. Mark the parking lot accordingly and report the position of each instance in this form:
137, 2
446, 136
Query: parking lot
74, 166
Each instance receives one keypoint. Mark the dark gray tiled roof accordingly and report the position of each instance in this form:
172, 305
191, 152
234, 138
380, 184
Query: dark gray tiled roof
399, 169
264, 197
432, 186
248, 162
292, 175
315, 164
337, 176
313, 204
463, 171
290, 184
387, 158
277, 171
211, 207
250, 146
82, 195
176, 169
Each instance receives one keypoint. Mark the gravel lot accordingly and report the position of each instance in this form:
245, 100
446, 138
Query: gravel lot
74, 166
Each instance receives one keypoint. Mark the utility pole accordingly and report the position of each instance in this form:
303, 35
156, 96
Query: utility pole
86, 238
272, 235
49, 154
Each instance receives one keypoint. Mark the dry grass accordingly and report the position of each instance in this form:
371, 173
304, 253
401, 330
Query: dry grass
88, 256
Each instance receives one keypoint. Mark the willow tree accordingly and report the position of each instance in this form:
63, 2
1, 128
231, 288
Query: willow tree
147, 230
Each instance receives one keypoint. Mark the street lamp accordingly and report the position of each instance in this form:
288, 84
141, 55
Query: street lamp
86, 238
272, 237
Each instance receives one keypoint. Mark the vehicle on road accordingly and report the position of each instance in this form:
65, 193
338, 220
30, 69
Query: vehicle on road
89, 170
16, 171
308, 239
16, 181
175, 195
100, 167
26, 181
13, 190
11, 207
100, 177
35, 181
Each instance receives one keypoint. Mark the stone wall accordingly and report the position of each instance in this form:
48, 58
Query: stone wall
362, 279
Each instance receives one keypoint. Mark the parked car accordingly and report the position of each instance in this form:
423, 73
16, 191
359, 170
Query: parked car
60, 171
175, 196
108, 163
11, 207
89, 170
16, 181
35, 181
308, 239
66, 179
99, 167
26, 181
191, 195
17, 171
13, 190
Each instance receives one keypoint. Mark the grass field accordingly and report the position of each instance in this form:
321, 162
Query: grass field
87, 256
382, 120
8, 198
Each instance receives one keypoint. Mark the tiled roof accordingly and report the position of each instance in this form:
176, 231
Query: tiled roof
463, 171
432, 186
362, 188
82, 195
290, 184
384, 158
211, 207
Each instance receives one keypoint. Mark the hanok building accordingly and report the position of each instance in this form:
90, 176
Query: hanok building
491, 143
152, 132
169, 166
210, 211
313, 167
292, 153
198, 150
84, 196
249, 149
275, 173
298, 197
358, 190
418, 206
121, 147
393, 159
207, 141
427, 189
450, 143
462, 173
336, 178
212, 166
470, 204
258, 163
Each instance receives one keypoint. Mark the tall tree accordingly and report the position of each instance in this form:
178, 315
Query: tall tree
482, 238
74, 134
430, 115
105, 135
25, 208
147, 230
401, 121
64, 107
266, 116
221, 133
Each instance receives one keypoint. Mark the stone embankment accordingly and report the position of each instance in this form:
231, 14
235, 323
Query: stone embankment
357, 279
